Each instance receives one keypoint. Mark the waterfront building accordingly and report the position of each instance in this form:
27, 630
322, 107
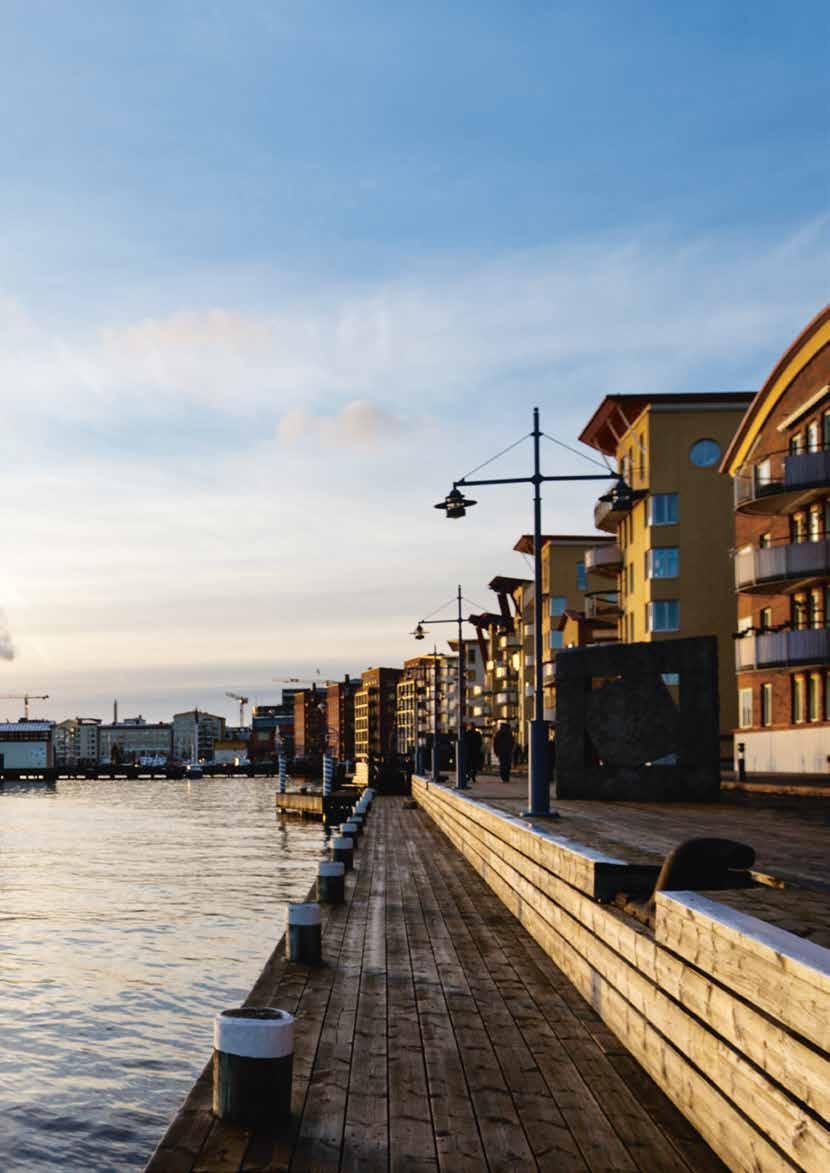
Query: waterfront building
340, 718
375, 711
673, 532
310, 705
272, 729
230, 751
779, 461
76, 742
211, 727
135, 738
569, 583
26, 745
502, 634
474, 681
416, 699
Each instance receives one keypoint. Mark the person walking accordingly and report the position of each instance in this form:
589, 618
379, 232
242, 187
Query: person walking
503, 741
473, 752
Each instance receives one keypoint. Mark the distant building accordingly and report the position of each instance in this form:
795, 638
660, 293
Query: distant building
184, 734
340, 718
76, 742
228, 751
135, 738
26, 745
310, 706
272, 729
375, 707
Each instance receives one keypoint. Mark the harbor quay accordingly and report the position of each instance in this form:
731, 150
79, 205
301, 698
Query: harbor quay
509, 994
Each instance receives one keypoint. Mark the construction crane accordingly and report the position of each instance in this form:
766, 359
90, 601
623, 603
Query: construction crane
315, 679
25, 697
243, 700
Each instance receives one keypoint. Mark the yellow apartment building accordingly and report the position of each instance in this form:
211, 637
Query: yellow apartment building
673, 535
567, 586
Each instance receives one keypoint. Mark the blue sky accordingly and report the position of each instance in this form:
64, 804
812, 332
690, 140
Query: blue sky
272, 274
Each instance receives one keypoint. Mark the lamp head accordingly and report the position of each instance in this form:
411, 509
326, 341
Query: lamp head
620, 496
419, 632
455, 504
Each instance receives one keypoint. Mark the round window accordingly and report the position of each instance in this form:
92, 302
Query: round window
705, 453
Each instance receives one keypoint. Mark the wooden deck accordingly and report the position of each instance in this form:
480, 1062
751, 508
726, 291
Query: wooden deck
439, 1035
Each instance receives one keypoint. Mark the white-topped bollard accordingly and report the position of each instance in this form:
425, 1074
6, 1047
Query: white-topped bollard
342, 851
303, 938
351, 829
331, 882
253, 1062
359, 822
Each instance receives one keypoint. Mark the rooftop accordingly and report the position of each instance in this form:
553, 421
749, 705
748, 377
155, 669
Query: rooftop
525, 542
617, 413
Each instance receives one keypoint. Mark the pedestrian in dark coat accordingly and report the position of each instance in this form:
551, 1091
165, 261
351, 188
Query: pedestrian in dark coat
503, 741
473, 752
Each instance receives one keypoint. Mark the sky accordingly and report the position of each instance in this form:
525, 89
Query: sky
273, 275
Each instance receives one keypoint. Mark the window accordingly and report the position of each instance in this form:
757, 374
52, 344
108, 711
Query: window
558, 603
663, 562
745, 707
663, 615
765, 541
816, 523
825, 428
471, 655
798, 612
581, 578
766, 704
663, 509
796, 444
763, 474
798, 528
798, 689
814, 697
765, 618
705, 453
816, 607
671, 679
814, 436
630, 577
557, 640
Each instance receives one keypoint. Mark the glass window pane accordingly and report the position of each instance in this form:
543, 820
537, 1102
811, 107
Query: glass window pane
663, 509
745, 707
581, 580
558, 603
664, 562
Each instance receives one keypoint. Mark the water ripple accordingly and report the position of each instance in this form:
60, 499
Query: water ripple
130, 912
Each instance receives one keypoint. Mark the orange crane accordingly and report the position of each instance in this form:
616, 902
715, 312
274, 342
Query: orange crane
243, 700
25, 697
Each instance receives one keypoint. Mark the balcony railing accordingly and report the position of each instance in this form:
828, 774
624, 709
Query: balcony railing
605, 559
758, 568
782, 481
603, 605
775, 649
508, 697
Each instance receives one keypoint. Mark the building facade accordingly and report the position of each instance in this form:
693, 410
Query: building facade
340, 718
375, 713
211, 729
310, 711
76, 742
26, 745
779, 461
673, 532
135, 739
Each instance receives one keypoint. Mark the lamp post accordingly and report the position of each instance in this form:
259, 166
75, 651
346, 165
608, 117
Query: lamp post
436, 771
460, 771
455, 505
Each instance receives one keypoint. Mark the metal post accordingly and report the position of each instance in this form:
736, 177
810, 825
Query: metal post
328, 774
460, 771
538, 786
436, 769
283, 774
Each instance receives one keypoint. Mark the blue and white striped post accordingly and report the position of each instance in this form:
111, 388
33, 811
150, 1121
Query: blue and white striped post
283, 774
328, 774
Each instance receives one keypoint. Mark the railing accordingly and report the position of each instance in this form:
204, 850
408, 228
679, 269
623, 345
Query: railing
508, 697
607, 557
779, 563
810, 645
782, 472
602, 606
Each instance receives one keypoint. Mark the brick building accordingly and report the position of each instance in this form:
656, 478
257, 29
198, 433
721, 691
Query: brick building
779, 460
375, 712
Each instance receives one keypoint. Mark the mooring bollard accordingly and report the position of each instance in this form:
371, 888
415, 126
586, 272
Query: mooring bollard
253, 1061
303, 938
351, 829
331, 882
283, 774
360, 822
328, 775
342, 851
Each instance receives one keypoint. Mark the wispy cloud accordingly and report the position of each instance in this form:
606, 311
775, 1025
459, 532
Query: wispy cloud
7, 649
360, 423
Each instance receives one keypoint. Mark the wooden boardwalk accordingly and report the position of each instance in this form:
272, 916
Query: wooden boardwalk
439, 1036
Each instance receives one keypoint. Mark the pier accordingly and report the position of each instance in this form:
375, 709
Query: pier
439, 1034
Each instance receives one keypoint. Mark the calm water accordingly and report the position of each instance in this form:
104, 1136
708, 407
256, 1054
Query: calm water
130, 912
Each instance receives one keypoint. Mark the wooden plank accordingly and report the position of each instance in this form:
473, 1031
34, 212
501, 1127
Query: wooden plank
798, 1068
593, 872
786, 975
712, 1113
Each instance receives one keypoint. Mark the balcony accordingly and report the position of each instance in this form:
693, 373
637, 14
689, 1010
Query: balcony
508, 697
783, 649
606, 560
782, 483
603, 605
765, 570
548, 671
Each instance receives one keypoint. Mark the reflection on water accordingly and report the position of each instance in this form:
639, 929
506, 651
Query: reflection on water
130, 912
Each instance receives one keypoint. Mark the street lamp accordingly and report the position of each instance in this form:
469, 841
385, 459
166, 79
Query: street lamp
418, 633
455, 505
